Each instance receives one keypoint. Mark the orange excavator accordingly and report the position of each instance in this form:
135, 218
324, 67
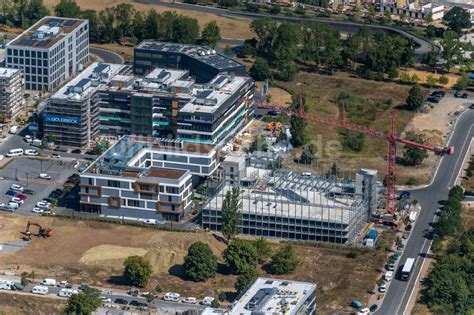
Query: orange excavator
43, 232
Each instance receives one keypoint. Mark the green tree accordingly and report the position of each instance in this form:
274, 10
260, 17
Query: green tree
260, 71
91, 15
463, 82
35, 10
334, 171
211, 34
138, 25
450, 52
259, 143
414, 155
137, 271
288, 71
415, 98
67, 8
443, 80
432, 59
431, 81
262, 248
245, 280
231, 217
152, 24
284, 261
200, 263
124, 13
265, 29
457, 18
297, 130
83, 303
352, 141
185, 30
240, 255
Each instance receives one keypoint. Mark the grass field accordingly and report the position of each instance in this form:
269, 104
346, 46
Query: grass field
229, 27
16, 304
93, 252
374, 101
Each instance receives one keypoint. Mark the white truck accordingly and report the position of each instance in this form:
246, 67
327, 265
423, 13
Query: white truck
7, 285
412, 216
49, 282
67, 292
13, 129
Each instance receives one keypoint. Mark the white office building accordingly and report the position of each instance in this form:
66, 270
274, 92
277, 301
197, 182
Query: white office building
50, 51
11, 93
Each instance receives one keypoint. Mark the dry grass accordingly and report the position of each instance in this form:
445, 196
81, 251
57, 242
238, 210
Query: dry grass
230, 27
93, 252
126, 51
25, 304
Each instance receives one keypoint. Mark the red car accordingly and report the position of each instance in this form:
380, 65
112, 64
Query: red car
21, 196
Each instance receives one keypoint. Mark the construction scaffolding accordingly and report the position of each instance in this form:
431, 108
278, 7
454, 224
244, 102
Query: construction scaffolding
284, 204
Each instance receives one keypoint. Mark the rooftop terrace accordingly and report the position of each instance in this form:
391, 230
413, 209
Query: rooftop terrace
8, 72
46, 32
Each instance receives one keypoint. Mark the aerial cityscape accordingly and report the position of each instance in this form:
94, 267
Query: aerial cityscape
236, 157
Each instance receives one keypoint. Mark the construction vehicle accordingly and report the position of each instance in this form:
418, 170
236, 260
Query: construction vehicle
42, 232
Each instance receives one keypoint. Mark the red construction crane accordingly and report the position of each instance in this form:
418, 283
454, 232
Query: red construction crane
392, 139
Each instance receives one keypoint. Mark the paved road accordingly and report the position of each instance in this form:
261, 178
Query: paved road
164, 307
106, 55
423, 46
418, 245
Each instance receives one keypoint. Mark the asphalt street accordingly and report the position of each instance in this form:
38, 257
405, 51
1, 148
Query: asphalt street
106, 55
423, 46
164, 307
399, 292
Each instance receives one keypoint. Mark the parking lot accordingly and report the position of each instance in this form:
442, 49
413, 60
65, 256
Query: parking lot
26, 171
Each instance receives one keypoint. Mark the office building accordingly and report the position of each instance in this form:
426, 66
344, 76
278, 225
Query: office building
284, 204
146, 178
71, 115
203, 63
11, 92
50, 52
276, 296
168, 103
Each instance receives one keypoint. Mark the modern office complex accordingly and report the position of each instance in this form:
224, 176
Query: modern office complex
275, 296
283, 204
71, 116
146, 178
168, 103
50, 51
11, 92
203, 63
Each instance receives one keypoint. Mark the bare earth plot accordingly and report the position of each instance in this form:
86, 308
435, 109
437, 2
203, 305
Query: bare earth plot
229, 27
93, 252
25, 304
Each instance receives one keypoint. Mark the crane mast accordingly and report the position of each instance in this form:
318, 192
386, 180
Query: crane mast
391, 137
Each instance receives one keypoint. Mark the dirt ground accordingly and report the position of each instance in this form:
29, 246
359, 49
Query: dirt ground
17, 304
229, 27
93, 252
126, 51
452, 78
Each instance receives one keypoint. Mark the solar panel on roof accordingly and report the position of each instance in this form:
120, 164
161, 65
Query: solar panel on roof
82, 83
70, 22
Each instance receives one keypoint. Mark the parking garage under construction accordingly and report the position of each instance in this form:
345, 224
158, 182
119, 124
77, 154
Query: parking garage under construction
284, 204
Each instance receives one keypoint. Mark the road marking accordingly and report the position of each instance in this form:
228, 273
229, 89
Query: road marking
460, 152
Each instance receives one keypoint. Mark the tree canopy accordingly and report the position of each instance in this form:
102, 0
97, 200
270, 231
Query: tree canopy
67, 8
415, 98
200, 263
284, 261
211, 34
231, 217
246, 279
137, 271
260, 71
240, 255
457, 18
83, 303
414, 155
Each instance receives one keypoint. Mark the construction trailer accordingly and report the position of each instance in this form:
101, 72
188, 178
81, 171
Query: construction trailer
289, 205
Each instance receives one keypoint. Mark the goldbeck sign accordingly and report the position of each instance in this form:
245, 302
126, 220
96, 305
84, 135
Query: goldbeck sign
70, 120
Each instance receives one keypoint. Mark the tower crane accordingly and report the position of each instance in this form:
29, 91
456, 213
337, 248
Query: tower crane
391, 137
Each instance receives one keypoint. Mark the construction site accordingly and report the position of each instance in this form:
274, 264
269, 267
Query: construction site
284, 204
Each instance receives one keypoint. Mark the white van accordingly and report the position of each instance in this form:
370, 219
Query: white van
7, 285
13, 129
67, 292
40, 289
15, 152
49, 282
171, 296
36, 142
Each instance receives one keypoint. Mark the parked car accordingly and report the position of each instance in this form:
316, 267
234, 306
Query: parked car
106, 299
471, 106
29, 192
37, 210
400, 247
394, 257
28, 139
438, 92
77, 151
373, 308
43, 205
390, 267
55, 155
44, 176
388, 276
31, 152
457, 94
207, 300
171, 296
16, 187
11, 193
464, 95
49, 282
190, 300
383, 288
21, 196
40, 289
120, 301
65, 284
17, 200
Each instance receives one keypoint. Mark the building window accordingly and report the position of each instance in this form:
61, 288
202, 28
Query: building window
113, 183
133, 203
172, 190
